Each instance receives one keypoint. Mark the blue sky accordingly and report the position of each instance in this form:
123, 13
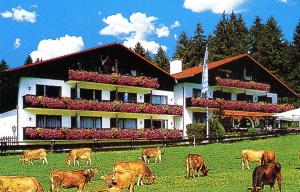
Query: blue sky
51, 28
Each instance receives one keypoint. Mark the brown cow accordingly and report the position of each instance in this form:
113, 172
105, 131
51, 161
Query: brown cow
268, 157
120, 179
249, 155
112, 189
37, 154
152, 152
19, 184
195, 162
70, 179
140, 170
266, 174
76, 154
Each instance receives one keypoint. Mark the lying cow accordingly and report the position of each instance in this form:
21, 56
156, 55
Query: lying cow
268, 157
37, 154
70, 179
120, 179
195, 162
77, 154
252, 156
153, 152
112, 189
140, 170
19, 184
266, 174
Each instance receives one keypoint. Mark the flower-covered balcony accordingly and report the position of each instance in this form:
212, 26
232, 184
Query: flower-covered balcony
65, 105
238, 105
125, 83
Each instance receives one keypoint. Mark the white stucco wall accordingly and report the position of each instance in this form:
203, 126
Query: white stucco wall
105, 95
169, 94
7, 121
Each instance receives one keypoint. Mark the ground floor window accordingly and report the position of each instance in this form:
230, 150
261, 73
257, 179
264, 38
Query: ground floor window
156, 123
49, 121
199, 117
123, 123
91, 122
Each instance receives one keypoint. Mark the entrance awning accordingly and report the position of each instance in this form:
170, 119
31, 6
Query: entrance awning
246, 113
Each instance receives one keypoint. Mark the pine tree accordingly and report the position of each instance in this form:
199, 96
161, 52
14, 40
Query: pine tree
182, 49
3, 65
161, 59
148, 56
28, 60
139, 49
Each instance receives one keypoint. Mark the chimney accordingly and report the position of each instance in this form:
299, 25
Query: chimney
175, 66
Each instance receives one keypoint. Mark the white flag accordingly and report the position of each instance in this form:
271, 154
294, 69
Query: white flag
204, 90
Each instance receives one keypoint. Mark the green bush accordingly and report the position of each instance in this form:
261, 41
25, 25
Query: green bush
251, 130
197, 129
216, 128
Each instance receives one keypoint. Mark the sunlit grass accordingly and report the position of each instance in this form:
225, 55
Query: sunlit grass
225, 173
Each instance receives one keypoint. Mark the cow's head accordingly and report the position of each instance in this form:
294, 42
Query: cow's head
204, 170
254, 189
150, 177
108, 178
90, 174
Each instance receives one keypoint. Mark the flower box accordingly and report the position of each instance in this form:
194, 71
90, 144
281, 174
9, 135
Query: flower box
242, 84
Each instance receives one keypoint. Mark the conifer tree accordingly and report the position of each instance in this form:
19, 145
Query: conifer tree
162, 60
182, 49
3, 65
139, 49
28, 60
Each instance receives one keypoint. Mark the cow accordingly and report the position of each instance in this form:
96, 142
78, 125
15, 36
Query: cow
140, 170
76, 154
70, 179
36, 154
268, 157
19, 184
152, 152
120, 179
253, 156
266, 174
112, 189
195, 162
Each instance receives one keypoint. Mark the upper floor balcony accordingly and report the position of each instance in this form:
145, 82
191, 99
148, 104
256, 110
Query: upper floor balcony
123, 83
68, 104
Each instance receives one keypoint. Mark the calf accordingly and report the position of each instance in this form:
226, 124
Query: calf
153, 152
195, 162
252, 156
268, 157
37, 154
76, 154
140, 170
266, 174
120, 179
70, 179
19, 184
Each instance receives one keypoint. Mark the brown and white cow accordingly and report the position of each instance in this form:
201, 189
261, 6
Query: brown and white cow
266, 174
253, 156
268, 157
140, 170
36, 154
70, 179
19, 184
120, 179
112, 189
77, 154
195, 162
151, 152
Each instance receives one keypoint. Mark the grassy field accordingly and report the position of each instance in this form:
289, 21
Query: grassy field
225, 173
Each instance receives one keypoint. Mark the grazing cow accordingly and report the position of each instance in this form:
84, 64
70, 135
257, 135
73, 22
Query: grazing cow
153, 152
140, 170
195, 162
252, 156
112, 189
120, 179
19, 184
70, 179
268, 157
266, 174
37, 154
76, 154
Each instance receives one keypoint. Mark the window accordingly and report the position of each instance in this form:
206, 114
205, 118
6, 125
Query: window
90, 94
48, 121
123, 123
159, 99
222, 95
127, 97
73, 93
156, 123
244, 97
90, 122
196, 92
199, 117
47, 90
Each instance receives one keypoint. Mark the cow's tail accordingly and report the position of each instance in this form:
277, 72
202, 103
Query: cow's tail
51, 182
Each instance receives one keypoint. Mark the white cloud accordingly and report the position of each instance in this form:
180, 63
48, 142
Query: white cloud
175, 36
138, 28
215, 6
175, 24
20, 15
50, 48
17, 43
283, 1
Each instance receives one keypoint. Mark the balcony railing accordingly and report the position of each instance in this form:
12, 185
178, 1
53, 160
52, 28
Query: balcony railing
238, 105
242, 84
93, 105
141, 81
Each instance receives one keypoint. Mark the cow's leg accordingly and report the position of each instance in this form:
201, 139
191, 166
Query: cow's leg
272, 187
193, 173
198, 171
131, 187
279, 181
243, 165
139, 180
159, 158
31, 162
80, 187
46, 160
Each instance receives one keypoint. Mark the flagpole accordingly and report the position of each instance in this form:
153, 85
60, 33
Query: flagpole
204, 90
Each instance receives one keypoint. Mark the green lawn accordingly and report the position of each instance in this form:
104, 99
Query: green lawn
225, 169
